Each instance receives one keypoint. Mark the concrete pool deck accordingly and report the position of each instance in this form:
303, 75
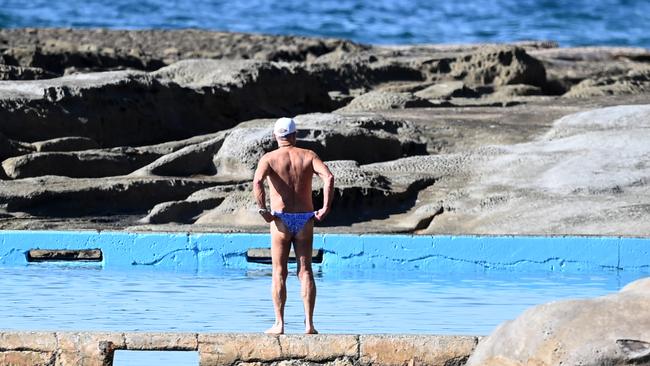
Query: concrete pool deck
98, 348
214, 251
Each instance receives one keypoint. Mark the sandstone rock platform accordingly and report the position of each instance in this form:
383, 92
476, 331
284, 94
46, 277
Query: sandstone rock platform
161, 130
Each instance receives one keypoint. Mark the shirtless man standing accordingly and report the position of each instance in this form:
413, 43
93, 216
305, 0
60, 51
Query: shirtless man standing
289, 170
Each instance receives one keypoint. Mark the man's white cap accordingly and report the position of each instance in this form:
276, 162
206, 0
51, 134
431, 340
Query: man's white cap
284, 126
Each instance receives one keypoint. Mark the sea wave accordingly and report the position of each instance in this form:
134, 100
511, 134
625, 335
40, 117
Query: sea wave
571, 23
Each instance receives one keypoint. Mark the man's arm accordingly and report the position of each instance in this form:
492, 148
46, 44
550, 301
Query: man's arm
327, 177
258, 187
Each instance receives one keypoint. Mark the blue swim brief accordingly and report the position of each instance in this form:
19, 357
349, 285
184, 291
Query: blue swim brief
294, 220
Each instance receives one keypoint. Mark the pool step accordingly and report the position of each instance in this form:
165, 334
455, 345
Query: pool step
263, 256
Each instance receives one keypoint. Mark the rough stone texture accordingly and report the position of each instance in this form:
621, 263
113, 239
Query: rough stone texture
23, 73
60, 49
97, 348
196, 205
632, 82
517, 90
34, 341
343, 361
112, 108
549, 185
364, 138
27, 358
9, 148
447, 90
574, 332
252, 89
72, 143
59, 56
87, 349
109, 196
499, 66
207, 85
175, 211
181, 211
171, 146
606, 54
241, 151
135, 108
189, 160
226, 349
599, 67
86, 164
347, 71
566, 180
320, 347
381, 100
161, 341
361, 137
399, 350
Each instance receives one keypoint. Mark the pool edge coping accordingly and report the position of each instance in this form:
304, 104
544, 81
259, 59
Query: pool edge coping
67, 348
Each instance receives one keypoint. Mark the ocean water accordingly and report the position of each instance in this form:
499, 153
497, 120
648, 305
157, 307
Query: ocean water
571, 23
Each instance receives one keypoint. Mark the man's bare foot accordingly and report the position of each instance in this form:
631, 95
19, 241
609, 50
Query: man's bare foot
275, 329
311, 331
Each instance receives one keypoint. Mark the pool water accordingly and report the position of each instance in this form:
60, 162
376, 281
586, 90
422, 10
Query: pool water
155, 358
56, 297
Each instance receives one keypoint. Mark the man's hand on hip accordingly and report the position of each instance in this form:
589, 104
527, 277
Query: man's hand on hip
320, 214
268, 216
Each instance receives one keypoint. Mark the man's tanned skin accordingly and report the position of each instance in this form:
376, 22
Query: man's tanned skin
289, 171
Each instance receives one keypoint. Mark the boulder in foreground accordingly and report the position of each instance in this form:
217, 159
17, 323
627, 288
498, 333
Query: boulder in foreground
608, 330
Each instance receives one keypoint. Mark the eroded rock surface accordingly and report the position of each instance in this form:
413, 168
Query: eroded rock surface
548, 185
608, 330
630, 82
53, 196
138, 108
364, 138
8, 72
189, 160
425, 138
381, 100
499, 66
72, 143
85, 164
100, 49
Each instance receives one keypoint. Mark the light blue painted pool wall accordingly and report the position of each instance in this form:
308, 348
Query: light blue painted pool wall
212, 251
461, 253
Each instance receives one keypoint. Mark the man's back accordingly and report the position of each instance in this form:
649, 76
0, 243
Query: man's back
290, 178
289, 171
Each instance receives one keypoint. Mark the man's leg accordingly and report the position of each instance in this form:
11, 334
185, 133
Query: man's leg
302, 245
280, 247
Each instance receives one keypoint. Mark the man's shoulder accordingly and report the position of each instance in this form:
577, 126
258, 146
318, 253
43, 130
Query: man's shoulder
305, 152
280, 154
270, 154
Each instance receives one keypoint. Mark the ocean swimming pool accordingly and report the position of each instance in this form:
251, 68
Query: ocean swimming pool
366, 284
55, 297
